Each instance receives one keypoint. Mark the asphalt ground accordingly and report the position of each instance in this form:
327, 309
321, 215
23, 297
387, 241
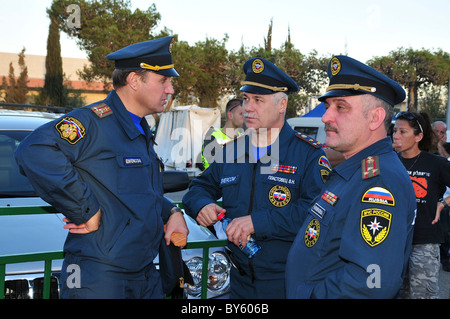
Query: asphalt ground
444, 277
444, 284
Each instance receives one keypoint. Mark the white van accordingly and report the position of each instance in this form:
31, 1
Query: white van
311, 126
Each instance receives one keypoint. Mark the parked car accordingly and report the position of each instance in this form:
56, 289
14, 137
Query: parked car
21, 234
311, 126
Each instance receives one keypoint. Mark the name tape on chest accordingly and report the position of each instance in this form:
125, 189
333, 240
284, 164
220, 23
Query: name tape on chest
132, 161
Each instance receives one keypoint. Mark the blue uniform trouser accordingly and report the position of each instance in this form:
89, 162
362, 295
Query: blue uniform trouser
87, 279
243, 287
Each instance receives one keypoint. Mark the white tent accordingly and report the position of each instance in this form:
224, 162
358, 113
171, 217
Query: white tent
180, 135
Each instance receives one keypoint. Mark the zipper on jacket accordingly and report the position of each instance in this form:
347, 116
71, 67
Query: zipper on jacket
250, 208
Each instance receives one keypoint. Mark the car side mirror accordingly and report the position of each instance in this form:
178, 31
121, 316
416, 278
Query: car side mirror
175, 181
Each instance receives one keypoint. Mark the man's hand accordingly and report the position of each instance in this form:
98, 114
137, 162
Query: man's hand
175, 224
239, 230
90, 226
208, 214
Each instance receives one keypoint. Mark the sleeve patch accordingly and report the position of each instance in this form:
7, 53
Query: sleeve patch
70, 129
378, 195
375, 225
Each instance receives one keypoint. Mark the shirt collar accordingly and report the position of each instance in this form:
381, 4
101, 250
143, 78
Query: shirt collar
244, 148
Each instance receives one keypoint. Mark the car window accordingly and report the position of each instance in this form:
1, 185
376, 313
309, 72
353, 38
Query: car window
310, 131
12, 183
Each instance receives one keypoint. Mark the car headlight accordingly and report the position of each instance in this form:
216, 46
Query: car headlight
218, 274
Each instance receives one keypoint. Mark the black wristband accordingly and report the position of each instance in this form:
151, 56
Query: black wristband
174, 210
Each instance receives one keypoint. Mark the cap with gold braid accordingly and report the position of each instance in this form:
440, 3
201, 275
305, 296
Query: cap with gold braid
154, 55
351, 77
263, 77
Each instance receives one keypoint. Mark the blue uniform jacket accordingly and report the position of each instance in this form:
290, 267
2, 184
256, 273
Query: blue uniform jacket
356, 240
276, 191
84, 161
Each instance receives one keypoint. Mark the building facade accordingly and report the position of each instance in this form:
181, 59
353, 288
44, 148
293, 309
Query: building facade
90, 91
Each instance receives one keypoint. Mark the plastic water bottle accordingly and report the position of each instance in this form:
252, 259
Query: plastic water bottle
251, 249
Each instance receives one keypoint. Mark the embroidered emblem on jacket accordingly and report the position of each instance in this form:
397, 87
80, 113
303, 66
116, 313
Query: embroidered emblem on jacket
312, 233
375, 225
279, 196
70, 129
378, 195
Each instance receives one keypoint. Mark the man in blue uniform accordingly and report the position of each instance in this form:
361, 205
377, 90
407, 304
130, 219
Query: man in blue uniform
97, 166
356, 239
266, 178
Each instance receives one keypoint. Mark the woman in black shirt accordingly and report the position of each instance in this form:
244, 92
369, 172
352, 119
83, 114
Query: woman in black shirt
430, 174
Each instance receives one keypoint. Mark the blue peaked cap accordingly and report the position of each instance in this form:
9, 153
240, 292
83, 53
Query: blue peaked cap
351, 77
263, 77
154, 55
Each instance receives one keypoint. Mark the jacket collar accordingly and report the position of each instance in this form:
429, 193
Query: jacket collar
347, 168
115, 103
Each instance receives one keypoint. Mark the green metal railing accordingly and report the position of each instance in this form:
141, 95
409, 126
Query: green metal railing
48, 257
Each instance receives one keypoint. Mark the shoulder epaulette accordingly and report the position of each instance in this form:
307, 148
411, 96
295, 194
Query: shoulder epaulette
370, 167
309, 140
101, 110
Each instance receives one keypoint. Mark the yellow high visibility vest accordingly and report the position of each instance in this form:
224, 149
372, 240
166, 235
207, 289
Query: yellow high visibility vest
221, 139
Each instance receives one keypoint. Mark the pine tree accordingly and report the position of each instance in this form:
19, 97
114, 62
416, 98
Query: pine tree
53, 90
22, 81
10, 90
16, 90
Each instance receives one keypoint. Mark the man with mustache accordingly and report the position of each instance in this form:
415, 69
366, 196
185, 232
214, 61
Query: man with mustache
266, 180
97, 166
356, 239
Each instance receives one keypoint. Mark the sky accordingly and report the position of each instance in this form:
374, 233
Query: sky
361, 29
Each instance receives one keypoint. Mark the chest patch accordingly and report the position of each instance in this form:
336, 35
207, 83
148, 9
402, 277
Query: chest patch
289, 169
330, 198
132, 161
229, 180
279, 196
